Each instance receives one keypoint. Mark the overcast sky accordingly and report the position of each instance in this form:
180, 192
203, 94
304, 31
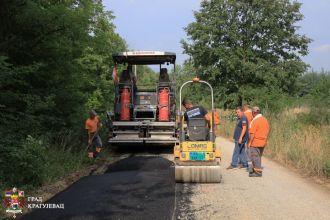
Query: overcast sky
158, 25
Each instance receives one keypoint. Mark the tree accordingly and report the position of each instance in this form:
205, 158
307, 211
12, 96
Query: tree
198, 93
55, 59
242, 45
55, 65
146, 77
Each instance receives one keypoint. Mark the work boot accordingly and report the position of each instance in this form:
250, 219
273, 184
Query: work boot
255, 174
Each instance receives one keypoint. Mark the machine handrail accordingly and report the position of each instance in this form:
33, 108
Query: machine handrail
180, 95
200, 81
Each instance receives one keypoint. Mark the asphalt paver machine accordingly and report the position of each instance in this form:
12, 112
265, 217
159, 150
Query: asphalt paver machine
144, 115
197, 157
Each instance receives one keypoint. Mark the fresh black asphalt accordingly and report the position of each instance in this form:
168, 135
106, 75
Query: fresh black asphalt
138, 187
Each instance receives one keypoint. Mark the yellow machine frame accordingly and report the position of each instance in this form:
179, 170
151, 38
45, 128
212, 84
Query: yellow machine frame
188, 170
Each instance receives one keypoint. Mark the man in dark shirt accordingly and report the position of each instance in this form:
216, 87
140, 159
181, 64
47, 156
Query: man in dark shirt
241, 136
193, 111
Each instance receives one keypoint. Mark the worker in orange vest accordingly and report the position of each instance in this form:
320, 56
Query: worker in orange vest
92, 125
259, 130
216, 119
248, 113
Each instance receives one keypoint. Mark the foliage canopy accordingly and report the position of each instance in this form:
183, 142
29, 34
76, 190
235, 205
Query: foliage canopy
247, 49
55, 64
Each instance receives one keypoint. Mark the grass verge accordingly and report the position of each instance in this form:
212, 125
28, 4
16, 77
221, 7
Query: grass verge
292, 141
34, 163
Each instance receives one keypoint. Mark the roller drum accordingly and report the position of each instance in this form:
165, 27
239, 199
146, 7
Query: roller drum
198, 174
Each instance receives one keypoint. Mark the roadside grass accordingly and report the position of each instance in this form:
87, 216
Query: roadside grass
42, 162
293, 141
62, 162
67, 155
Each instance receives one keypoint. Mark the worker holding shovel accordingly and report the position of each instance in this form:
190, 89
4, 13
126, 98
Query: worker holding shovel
92, 126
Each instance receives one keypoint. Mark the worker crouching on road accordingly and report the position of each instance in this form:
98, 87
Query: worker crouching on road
92, 126
259, 130
241, 136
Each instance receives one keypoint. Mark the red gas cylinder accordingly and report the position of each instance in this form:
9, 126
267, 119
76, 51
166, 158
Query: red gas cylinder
163, 105
125, 102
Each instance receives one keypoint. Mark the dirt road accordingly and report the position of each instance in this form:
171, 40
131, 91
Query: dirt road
141, 186
279, 194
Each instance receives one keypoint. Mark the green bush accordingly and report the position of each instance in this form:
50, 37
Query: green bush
316, 116
31, 162
22, 162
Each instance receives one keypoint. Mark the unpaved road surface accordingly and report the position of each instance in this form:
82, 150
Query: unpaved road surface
141, 186
279, 194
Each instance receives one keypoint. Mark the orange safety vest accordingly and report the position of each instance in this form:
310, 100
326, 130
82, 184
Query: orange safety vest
216, 118
260, 128
249, 116
91, 124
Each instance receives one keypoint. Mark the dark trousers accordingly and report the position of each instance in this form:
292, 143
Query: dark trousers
96, 142
256, 154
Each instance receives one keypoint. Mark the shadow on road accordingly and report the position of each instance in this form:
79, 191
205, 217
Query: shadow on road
142, 149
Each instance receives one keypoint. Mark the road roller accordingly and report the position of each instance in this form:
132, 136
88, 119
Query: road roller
196, 156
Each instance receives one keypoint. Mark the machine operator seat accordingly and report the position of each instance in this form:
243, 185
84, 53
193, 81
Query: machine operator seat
163, 76
132, 76
125, 78
197, 129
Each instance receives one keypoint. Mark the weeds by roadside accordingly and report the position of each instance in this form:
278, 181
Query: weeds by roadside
294, 141
40, 161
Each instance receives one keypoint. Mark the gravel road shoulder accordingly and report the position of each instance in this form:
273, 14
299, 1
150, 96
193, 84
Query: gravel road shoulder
279, 194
